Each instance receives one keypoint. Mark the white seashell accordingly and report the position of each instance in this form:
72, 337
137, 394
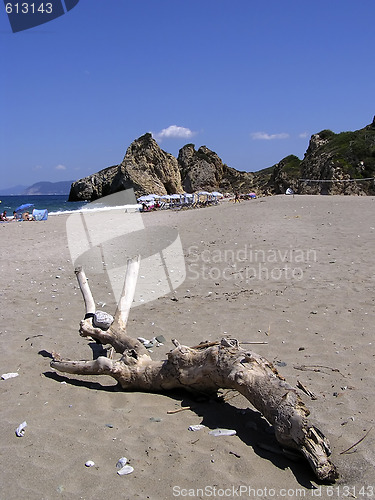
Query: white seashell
195, 428
90, 463
222, 432
20, 431
121, 463
5, 376
127, 469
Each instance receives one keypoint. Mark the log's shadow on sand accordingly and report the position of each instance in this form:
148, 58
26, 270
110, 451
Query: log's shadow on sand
250, 426
253, 430
81, 383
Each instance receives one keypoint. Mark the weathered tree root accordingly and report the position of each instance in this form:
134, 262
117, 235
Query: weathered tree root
222, 366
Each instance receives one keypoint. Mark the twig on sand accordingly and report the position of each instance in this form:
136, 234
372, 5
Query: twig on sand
317, 368
179, 409
203, 345
355, 444
305, 390
260, 342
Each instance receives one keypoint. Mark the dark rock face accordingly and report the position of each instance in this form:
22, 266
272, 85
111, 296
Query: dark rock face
94, 186
146, 168
283, 175
150, 169
200, 170
204, 170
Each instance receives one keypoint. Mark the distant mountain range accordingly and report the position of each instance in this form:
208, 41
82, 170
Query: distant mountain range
39, 188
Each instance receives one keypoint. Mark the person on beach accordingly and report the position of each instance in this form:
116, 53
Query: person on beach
237, 197
27, 216
3, 216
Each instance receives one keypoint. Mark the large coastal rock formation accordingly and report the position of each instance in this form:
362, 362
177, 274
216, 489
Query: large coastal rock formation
331, 164
201, 169
340, 158
204, 170
146, 168
330, 157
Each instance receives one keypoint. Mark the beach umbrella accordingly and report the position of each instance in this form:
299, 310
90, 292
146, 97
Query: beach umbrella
146, 197
203, 193
23, 207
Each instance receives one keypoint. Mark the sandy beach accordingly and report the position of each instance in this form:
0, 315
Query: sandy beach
296, 273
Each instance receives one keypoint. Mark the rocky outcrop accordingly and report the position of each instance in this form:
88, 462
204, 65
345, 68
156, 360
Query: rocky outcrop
203, 170
200, 170
150, 169
333, 164
280, 177
337, 159
146, 168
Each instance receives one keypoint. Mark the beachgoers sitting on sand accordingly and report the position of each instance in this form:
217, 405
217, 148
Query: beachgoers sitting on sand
27, 216
148, 208
3, 216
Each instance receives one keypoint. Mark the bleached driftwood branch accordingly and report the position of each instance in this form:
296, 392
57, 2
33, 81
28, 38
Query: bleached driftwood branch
205, 369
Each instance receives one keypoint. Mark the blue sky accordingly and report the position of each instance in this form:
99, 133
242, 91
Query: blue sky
251, 80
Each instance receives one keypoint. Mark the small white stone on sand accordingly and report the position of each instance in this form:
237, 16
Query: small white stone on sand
223, 432
195, 428
5, 376
123, 469
128, 469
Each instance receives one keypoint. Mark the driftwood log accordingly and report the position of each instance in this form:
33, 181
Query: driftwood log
224, 365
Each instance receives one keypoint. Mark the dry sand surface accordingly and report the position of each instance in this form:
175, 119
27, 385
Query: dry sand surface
295, 272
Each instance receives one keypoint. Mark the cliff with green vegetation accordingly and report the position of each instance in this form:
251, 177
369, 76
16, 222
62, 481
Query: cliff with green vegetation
342, 163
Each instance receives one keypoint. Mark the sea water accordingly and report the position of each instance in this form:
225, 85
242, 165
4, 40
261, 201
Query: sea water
55, 204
